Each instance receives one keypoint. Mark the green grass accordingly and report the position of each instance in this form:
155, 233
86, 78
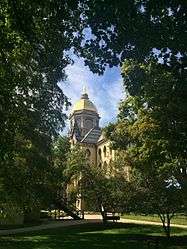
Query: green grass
95, 236
178, 219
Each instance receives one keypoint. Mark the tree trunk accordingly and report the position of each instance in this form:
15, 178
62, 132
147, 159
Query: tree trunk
185, 195
182, 179
166, 224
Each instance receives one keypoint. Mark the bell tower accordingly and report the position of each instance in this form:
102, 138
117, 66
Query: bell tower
84, 117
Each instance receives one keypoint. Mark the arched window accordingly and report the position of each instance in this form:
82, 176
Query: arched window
105, 166
88, 153
99, 153
110, 151
88, 124
104, 150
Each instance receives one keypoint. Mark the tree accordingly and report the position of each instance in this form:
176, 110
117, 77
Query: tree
152, 187
35, 40
152, 133
27, 176
61, 152
33, 57
154, 120
39, 45
152, 194
69, 165
32, 62
132, 29
95, 186
105, 189
165, 97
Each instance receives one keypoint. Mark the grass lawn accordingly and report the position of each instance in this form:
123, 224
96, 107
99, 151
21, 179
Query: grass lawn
178, 219
94, 236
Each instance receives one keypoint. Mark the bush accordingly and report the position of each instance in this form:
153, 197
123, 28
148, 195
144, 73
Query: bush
11, 214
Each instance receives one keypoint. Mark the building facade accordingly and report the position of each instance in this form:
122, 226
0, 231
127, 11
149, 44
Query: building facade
85, 130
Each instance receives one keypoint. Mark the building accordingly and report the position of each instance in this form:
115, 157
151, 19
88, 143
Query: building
85, 130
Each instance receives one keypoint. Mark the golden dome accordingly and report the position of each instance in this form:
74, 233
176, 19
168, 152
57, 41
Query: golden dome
84, 104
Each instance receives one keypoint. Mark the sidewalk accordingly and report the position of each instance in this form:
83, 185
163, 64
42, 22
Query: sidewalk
98, 217
150, 223
53, 224
88, 219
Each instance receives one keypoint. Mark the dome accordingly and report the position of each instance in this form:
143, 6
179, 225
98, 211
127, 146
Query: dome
84, 104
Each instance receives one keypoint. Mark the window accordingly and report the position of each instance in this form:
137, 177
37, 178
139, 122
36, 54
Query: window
105, 166
104, 151
88, 153
89, 124
78, 120
99, 153
110, 151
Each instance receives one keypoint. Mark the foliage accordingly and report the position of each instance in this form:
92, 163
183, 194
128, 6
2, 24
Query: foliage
153, 137
61, 148
28, 174
34, 52
61, 151
132, 29
163, 99
33, 58
36, 40
103, 190
10, 214
69, 165
153, 194
97, 187
154, 121
58, 181
32, 61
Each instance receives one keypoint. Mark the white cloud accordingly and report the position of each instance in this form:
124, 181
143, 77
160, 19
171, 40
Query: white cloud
104, 91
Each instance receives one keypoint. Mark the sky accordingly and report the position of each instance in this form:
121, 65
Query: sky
104, 91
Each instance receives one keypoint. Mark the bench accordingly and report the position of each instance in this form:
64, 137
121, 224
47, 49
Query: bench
111, 216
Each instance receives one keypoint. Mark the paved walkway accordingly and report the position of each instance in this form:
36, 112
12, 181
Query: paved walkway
150, 223
66, 223
98, 217
53, 224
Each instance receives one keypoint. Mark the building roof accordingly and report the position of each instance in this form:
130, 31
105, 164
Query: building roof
101, 138
92, 136
84, 104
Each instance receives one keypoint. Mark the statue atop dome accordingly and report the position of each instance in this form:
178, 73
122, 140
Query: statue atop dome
84, 90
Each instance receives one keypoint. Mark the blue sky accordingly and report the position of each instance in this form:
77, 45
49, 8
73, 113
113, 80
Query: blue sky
104, 91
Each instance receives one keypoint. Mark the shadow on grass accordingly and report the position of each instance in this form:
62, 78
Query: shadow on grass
94, 236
